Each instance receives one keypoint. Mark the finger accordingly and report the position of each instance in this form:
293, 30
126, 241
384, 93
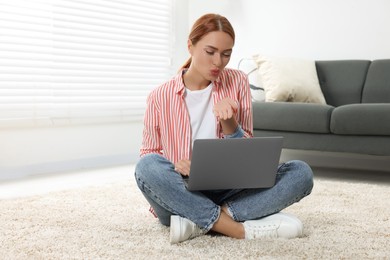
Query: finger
182, 171
186, 170
217, 114
230, 113
183, 167
233, 105
178, 168
226, 114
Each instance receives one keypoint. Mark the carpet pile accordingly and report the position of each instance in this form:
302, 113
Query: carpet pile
342, 220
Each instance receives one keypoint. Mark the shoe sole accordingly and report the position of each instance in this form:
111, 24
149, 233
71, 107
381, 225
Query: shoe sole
175, 222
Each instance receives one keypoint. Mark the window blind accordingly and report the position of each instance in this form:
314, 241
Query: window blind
77, 61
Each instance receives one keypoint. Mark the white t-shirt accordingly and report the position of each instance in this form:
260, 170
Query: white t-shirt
200, 108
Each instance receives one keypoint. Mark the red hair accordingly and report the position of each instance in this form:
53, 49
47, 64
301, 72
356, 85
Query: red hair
206, 24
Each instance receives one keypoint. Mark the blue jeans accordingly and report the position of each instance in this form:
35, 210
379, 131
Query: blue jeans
165, 191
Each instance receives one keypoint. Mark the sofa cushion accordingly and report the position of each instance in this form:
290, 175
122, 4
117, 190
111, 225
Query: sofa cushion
296, 117
361, 119
377, 86
342, 80
289, 79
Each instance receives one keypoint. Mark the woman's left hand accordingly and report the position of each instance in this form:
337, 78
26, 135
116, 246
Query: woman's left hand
183, 167
225, 109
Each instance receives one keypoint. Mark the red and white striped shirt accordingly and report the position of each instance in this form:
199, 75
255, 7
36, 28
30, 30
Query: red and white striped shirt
167, 127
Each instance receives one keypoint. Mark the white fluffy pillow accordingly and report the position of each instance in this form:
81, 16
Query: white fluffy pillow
289, 79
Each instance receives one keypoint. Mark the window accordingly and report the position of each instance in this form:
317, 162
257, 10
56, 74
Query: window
81, 61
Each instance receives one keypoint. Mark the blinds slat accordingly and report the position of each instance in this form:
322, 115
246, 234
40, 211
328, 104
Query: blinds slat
74, 61
128, 8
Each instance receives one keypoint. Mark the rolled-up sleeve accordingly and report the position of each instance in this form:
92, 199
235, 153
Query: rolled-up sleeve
245, 116
238, 133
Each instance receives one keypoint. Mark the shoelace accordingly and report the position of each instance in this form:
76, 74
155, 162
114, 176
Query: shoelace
265, 231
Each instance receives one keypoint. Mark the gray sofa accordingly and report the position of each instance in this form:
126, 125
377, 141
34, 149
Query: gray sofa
356, 118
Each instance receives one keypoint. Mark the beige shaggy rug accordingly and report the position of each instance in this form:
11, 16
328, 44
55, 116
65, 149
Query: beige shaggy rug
342, 221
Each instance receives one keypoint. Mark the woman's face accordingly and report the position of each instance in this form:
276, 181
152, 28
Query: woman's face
211, 54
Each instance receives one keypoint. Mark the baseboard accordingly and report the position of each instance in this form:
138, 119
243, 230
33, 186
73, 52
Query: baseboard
18, 172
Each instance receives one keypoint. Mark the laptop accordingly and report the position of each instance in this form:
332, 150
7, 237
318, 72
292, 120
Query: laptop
234, 163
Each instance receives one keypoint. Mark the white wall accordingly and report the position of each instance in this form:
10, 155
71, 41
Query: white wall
181, 29
332, 29
37, 150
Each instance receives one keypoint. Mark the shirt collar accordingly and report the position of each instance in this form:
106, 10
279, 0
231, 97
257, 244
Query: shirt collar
180, 87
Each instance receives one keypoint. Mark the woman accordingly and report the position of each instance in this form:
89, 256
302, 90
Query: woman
207, 100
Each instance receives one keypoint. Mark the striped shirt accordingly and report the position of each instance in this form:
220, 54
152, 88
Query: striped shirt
167, 127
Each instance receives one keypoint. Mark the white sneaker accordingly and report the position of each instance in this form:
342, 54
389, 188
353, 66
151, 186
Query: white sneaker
281, 225
183, 229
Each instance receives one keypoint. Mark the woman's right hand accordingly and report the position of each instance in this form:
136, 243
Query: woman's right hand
183, 167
